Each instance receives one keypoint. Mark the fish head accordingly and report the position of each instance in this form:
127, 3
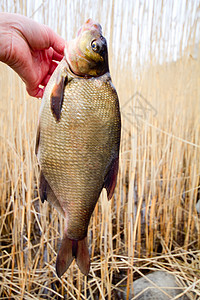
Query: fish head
87, 54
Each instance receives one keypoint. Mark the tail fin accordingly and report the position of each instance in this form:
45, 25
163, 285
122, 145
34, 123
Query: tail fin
69, 250
83, 257
64, 257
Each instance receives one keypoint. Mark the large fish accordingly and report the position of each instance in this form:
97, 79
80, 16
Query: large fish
78, 140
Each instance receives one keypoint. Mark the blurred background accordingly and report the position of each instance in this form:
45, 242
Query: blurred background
152, 222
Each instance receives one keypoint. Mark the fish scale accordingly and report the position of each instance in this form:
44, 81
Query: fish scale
70, 145
78, 143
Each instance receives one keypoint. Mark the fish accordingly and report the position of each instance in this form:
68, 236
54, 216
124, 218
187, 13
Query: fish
78, 140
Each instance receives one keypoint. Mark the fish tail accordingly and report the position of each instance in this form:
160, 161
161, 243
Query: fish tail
69, 250
64, 257
82, 256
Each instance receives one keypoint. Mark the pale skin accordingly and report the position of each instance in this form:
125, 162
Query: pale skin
30, 49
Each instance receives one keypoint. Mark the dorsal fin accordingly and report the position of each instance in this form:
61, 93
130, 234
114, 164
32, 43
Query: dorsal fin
56, 97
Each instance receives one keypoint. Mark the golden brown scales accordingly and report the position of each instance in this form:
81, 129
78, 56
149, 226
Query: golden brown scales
78, 140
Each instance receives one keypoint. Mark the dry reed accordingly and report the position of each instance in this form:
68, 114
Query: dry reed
151, 223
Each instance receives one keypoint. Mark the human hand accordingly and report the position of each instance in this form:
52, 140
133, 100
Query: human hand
30, 49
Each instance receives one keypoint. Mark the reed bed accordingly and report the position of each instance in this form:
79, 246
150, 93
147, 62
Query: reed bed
152, 222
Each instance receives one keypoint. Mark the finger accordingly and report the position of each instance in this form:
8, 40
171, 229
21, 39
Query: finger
52, 67
55, 41
56, 56
38, 92
48, 76
45, 80
37, 35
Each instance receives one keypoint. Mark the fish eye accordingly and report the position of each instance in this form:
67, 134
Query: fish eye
95, 46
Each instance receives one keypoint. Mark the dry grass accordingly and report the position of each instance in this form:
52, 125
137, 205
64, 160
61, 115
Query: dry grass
151, 223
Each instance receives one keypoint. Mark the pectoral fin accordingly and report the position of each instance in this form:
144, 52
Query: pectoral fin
111, 178
56, 98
